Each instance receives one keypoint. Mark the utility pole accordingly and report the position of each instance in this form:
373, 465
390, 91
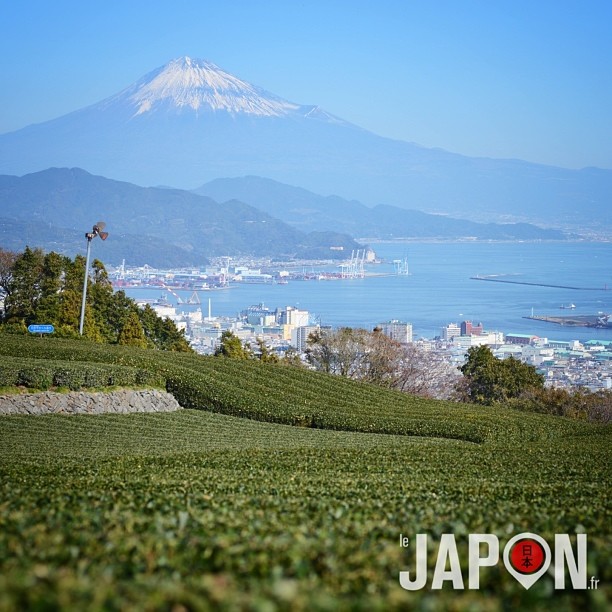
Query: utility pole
96, 231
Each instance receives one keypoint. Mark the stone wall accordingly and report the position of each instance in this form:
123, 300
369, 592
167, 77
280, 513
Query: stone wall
77, 402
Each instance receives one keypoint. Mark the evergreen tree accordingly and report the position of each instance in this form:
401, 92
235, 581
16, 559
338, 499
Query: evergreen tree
491, 380
69, 312
264, 354
114, 312
131, 333
51, 281
101, 299
24, 289
162, 333
232, 347
170, 338
70, 300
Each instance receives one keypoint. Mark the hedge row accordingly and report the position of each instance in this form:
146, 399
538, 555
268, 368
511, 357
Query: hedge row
37, 374
295, 396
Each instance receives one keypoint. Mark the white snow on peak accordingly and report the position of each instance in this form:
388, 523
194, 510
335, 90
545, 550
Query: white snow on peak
198, 84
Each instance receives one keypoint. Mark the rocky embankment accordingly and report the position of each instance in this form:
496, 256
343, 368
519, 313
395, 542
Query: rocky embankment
78, 402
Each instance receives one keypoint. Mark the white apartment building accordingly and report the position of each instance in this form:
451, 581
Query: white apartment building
490, 338
451, 331
299, 336
292, 316
397, 330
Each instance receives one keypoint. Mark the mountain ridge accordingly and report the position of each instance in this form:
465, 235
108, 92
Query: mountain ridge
306, 211
186, 227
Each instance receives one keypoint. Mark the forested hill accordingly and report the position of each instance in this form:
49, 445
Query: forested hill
156, 226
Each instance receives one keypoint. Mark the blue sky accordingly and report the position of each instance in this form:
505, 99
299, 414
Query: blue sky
528, 79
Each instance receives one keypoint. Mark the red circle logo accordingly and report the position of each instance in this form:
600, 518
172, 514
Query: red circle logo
527, 556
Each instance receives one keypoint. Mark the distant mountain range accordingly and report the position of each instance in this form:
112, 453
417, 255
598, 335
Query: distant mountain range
190, 122
53, 209
169, 227
308, 211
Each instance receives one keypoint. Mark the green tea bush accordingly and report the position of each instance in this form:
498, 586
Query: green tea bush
9, 374
36, 377
195, 510
69, 378
45, 374
293, 396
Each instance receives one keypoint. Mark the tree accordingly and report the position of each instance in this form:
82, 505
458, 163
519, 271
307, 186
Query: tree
580, 403
69, 313
7, 263
108, 319
170, 338
339, 351
24, 288
320, 352
491, 380
375, 358
51, 281
292, 358
356, 353
426, 373
40, 288
70, 301
161, 333
264, 354
132, 333
232, 347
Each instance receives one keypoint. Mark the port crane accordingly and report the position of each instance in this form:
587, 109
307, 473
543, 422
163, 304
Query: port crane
401, 266
193, 299
355, 267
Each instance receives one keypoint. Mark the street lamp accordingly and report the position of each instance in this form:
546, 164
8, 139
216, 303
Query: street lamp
96, 231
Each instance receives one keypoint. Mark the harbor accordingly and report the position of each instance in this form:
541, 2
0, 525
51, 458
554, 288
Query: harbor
598, 321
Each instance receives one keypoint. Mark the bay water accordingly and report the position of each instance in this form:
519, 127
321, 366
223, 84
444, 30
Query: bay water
439, 289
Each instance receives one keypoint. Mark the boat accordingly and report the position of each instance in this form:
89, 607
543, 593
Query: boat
568, 307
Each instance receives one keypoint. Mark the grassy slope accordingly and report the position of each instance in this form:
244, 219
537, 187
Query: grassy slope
211, 510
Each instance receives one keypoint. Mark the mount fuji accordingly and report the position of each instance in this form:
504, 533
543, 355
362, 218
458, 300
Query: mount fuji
190, 122
199, 85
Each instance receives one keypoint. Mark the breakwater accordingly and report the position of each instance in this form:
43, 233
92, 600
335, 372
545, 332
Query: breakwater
573, 321
513, 282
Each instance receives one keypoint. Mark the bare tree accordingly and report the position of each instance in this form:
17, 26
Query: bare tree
426, 373
374, 357
7, 263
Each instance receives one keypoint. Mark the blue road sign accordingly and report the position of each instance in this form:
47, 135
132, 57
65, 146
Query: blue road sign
41, 329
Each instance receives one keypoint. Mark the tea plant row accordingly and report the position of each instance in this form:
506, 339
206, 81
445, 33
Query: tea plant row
208, 511
295, 396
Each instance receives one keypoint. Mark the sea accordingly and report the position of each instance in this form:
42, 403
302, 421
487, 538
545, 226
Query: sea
440, 289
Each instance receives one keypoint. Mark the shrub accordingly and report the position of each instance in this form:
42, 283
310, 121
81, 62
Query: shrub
35, 377
9, 374
74, 375
579, 404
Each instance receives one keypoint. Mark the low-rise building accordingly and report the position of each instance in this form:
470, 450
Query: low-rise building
486, 338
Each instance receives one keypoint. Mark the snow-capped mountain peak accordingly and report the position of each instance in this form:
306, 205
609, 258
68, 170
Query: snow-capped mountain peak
186, 83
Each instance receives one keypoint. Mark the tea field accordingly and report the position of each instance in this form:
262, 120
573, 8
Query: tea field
299, 506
